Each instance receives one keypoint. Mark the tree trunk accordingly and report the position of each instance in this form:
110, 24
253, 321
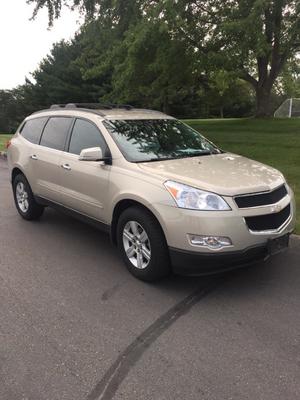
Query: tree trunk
221, 112
263, 102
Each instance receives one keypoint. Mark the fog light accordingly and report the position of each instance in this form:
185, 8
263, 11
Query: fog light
213, 242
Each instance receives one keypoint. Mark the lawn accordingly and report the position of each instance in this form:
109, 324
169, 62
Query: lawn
275, 142
3, 140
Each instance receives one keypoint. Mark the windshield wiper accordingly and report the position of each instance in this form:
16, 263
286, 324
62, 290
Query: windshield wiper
201, 153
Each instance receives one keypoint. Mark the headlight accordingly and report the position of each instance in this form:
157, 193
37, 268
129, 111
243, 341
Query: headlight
195, 199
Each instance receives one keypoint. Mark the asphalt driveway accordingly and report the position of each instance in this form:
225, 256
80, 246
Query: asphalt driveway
75, 325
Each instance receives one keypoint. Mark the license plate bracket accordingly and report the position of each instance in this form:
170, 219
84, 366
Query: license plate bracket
278, 245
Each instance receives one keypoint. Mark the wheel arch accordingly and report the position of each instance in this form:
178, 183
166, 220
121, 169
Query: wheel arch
16, 171
121, 206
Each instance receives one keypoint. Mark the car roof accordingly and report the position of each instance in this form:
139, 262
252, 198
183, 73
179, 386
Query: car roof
106, 112
134, 113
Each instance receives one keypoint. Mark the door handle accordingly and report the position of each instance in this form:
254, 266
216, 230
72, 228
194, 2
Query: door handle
66, 166
33, 157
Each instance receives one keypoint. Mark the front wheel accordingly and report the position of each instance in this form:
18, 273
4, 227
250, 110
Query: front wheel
25, 202
142, 245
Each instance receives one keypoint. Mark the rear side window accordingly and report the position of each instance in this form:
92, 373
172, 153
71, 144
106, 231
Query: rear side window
32, 129
55, 132
84, 136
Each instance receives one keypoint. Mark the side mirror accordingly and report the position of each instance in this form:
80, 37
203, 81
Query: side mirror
91, 154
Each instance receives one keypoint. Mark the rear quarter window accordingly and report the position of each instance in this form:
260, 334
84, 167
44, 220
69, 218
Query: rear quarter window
32, 129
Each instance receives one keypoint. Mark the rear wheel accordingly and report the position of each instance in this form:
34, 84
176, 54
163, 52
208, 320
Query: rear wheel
142, 244
25, 202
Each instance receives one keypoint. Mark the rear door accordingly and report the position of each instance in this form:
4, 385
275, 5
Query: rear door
46, 157
31, 131
85, 183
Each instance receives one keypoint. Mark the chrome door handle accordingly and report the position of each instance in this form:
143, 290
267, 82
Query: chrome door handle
66, 166
33, 157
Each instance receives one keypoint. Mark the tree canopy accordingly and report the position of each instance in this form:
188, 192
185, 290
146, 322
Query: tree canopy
188, 58
252, 38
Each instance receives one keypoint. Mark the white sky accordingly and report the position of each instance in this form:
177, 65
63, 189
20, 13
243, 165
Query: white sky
24, 43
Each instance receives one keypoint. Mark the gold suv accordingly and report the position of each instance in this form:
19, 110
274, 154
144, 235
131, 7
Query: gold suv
169, 198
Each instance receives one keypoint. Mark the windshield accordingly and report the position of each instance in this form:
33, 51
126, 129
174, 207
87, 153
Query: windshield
158, 139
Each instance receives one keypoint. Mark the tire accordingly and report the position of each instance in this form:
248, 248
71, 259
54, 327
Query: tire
142, 245
25, 202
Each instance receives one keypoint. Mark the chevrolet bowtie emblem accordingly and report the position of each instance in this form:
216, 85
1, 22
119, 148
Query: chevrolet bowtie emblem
276, 208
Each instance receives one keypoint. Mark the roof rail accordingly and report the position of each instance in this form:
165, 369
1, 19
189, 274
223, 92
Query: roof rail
91, 106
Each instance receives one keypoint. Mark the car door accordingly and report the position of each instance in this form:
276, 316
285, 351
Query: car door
46, 157
84, 184
31, 131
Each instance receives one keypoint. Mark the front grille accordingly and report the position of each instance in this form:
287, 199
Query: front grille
261, 199
269, 221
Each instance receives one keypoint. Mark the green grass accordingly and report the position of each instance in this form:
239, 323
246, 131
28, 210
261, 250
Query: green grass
275, 142
3, 140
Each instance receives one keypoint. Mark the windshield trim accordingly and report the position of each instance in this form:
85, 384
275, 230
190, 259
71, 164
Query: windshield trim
179, 157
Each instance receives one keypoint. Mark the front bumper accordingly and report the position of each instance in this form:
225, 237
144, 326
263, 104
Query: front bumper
196, 263
247, 246
178, 224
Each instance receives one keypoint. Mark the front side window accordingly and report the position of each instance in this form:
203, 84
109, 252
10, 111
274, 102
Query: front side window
55, 132
32, 129
85, 135
160, 139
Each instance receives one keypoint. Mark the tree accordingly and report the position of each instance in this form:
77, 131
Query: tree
229, 96
253, 38
58, 79
263, 35
119, 11
146, 66
289, 82
143, 66
220, 82
7, 111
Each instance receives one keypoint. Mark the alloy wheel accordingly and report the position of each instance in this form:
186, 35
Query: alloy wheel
136, 244
22, 197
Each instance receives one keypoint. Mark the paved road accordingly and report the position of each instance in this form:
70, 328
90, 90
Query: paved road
75, 325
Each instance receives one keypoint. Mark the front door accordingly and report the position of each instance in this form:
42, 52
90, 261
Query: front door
84, 184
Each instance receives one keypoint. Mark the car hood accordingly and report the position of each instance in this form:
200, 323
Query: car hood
225, 174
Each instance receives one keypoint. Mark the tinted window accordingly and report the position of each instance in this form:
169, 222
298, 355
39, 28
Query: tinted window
84, 136
32, 129
55, 132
